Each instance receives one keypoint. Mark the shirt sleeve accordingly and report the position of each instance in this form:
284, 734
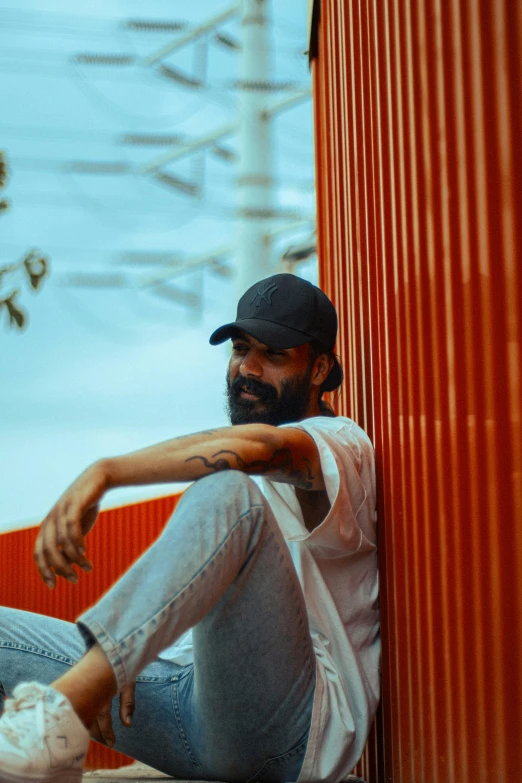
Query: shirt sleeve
347, 463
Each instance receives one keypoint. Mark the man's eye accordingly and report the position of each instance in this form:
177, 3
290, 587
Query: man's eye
239, 347
275, 352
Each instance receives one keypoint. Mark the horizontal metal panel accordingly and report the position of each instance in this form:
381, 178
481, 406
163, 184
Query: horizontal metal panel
118, 539
418, 114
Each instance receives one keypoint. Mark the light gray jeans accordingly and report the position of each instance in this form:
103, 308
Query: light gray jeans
242, 710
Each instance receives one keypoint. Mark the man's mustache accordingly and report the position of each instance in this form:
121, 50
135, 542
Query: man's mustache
265, 391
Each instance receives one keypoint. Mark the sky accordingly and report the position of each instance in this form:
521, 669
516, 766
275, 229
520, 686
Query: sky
102, 370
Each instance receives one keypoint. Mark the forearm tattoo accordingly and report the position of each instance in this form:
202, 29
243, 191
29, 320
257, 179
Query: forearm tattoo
280, 466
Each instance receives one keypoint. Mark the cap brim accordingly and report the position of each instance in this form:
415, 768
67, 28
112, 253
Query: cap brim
276, 336
267, 332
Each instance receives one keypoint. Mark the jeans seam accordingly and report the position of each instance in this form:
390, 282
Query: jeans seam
165, 680
184, 739
71, 661
37, 651
103, 638
278, 760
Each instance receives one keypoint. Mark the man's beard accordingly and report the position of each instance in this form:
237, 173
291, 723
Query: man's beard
291, 404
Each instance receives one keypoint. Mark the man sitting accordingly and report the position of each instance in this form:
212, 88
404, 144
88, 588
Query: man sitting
251, 625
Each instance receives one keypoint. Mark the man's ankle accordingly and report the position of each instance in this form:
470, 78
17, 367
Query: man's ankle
88, 685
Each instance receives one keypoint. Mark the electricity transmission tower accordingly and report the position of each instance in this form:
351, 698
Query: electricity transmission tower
257, 217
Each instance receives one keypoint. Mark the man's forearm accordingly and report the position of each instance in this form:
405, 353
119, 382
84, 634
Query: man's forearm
256, 449
282, 453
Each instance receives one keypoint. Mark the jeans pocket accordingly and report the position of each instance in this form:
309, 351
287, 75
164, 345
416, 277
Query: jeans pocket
282, 769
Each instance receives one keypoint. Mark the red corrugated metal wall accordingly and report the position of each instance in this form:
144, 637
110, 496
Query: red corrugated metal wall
418, 114
117, 540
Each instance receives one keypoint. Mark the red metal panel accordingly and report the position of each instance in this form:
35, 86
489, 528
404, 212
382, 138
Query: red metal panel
118, 539
418, 118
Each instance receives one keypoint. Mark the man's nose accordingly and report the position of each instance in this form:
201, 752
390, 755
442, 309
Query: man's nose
251, 365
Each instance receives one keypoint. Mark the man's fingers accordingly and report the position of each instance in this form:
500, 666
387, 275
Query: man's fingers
104, 721
61, 541
69, 536
41, 563
85, 564
127, 704
95, 733
89, 518
48, 557
54, 558
59, 545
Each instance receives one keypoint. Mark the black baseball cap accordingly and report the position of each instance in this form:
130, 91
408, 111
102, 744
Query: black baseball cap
284, 311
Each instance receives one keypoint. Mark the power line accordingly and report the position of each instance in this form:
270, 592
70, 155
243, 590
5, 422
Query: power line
59, 16
65, 166
129, 258
112, 107
80, 25
135, 138
51, 199
295, 148
147, 25
55, 72
107, 329
52, 31
109, 105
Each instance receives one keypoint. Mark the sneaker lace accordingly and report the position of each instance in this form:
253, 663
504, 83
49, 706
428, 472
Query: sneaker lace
27, 722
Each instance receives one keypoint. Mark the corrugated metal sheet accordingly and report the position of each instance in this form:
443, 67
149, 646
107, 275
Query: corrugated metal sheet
118, 539
418, 109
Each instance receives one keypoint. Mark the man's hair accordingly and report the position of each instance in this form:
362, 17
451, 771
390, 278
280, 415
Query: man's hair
315, 350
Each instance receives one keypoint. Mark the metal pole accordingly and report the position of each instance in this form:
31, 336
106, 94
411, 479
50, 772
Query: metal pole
255, 182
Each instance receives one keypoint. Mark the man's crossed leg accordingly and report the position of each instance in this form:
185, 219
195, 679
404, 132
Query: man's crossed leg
241, 711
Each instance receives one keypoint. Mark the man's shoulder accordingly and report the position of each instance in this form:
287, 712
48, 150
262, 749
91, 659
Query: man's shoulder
340, 434
341, 425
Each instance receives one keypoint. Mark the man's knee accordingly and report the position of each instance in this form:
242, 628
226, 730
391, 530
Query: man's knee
224, 482
224, 488
227, 479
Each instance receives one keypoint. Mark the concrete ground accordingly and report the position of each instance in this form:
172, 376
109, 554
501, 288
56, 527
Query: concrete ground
140, 773
134, 774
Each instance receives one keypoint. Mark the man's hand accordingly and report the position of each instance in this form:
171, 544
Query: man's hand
61, 540
101, 730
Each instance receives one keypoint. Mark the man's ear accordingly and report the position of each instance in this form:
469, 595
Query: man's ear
322, 366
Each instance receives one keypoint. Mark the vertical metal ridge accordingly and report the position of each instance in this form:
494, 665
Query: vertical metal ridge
419, 115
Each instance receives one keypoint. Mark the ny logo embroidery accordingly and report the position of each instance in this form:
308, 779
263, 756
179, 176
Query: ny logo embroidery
265, 295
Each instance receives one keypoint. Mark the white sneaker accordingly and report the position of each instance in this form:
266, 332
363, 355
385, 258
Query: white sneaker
41, 737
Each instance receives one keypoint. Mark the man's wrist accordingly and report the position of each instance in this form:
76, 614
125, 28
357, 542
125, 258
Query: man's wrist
103, 473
